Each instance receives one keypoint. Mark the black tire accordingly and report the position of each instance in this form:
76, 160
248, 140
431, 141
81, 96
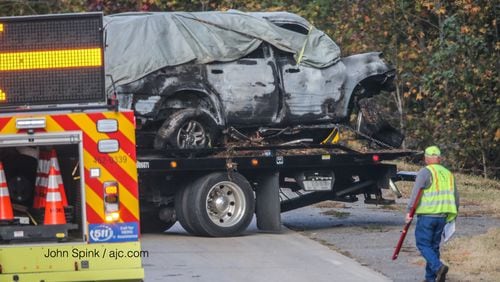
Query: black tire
267, 209
182, 211
187, 128
221, 205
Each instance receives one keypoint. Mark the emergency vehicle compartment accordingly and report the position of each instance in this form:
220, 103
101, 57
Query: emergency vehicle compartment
42, 173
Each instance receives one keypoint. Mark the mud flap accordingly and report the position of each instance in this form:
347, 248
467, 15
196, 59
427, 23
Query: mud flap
267, 209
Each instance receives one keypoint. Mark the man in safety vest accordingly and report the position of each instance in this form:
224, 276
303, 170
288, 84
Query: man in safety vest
437, 206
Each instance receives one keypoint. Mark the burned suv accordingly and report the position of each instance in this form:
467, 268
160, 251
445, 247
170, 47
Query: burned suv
191, 76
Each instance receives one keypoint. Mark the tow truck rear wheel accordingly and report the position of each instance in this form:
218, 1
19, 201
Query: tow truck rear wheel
221, 204
182, 210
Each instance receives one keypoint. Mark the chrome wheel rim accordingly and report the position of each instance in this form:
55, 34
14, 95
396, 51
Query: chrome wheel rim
225, 204
192, 135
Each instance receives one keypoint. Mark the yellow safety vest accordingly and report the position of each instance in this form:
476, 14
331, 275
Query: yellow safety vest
439, 198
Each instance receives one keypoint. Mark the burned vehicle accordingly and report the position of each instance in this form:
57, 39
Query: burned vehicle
190, 77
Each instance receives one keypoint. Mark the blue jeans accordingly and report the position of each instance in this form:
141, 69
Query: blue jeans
428, 236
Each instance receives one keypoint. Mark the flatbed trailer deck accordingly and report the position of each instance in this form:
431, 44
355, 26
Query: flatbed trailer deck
214, 192
268, 157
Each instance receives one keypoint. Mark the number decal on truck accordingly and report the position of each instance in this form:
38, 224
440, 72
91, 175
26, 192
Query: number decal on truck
120, 159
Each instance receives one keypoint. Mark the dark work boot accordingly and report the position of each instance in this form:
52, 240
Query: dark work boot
441, 274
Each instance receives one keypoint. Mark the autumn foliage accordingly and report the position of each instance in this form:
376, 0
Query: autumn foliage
446, 54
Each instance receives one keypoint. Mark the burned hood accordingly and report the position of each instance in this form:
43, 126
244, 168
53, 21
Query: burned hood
140, 43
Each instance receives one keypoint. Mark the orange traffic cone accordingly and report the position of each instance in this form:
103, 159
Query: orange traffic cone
54, 210
54, 163
41, 180
6, 213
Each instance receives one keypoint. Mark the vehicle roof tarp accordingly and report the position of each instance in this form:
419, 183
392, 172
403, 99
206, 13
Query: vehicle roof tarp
140, 43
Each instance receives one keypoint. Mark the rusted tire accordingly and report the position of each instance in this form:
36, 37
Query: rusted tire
187, 129
220, 204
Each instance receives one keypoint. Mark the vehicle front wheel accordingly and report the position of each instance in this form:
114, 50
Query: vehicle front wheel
187, 129
221, 204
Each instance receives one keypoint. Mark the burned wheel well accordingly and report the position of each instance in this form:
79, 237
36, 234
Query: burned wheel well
367, 88
187, 99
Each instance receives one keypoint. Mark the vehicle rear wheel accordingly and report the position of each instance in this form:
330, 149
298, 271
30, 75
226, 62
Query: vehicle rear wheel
182, 211
221, 204
187, 129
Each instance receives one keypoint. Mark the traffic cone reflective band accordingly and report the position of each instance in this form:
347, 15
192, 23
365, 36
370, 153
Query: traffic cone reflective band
6, 213
54, 163
41, 179
54, 209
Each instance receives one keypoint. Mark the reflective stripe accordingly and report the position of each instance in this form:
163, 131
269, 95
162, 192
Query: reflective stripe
52, 182
4, 192
434, 177
54, 197
436, 203
440, 193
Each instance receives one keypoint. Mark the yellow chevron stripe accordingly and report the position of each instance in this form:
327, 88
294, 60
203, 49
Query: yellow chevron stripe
87, 125
52, 126
10, 127
125, 125
94, 201
129, 201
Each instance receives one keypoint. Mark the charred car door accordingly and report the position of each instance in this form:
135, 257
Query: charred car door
247, 88
311, 94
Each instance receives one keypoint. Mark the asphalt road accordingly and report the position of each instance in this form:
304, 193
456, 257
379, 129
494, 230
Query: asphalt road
370, 233
289, 256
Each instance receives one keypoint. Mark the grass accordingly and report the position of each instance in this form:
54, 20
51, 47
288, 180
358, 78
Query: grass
473, 258
337, 214
330, 205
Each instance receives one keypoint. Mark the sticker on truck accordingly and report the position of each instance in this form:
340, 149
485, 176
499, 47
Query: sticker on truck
119, 232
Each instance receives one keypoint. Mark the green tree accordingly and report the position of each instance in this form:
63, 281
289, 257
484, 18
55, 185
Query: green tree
445, 53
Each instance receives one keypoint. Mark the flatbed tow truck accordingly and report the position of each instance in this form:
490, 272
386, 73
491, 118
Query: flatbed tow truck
217, 194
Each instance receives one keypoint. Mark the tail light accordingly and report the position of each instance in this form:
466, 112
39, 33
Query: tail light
111, 201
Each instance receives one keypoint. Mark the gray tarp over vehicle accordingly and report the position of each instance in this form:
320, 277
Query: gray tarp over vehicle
141, 43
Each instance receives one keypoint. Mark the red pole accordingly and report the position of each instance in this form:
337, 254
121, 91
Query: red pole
407, 226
